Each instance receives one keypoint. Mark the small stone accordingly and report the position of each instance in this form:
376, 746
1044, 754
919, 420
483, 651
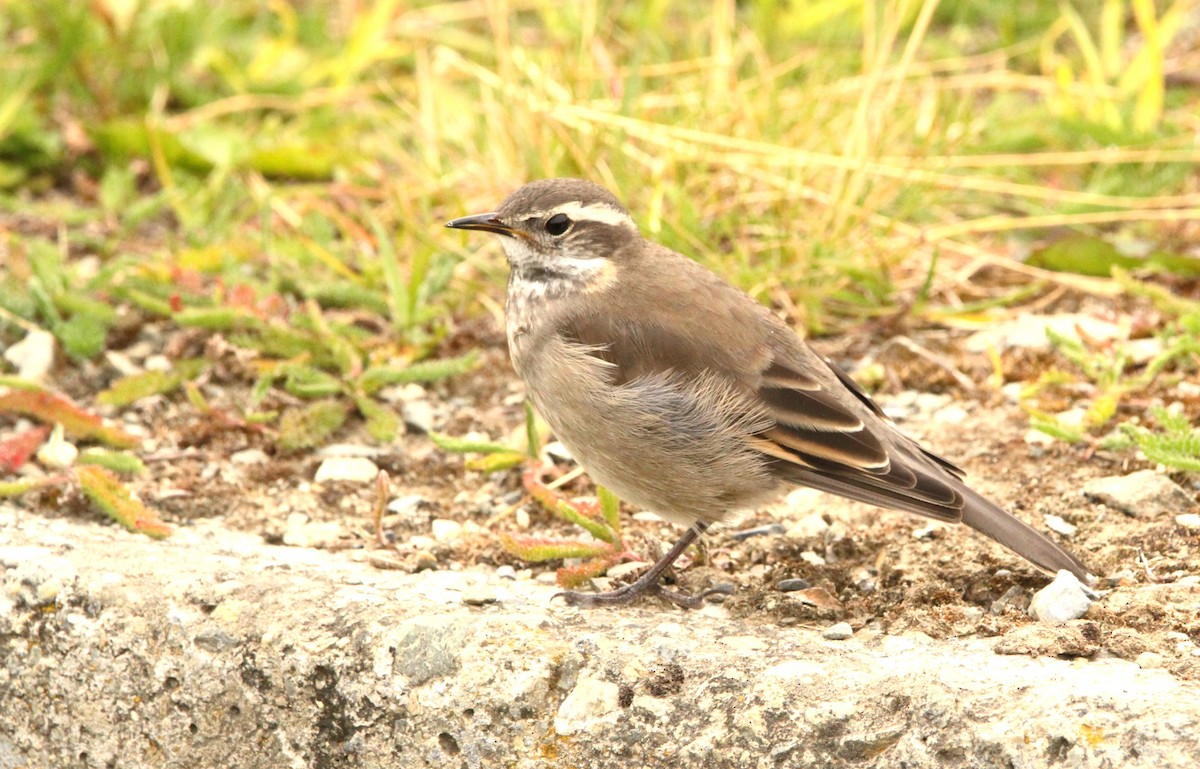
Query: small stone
425, 561
758, 531
1074, 418
411, 392
864, 580
249, 457
792, 585
812, 558
412, 508
590, 699
1012, 597
522, 518
1189, 520
808, 527
1060, 526
951, 415
558, 452
1038, 439
158, 363
478, 596
418, 415
505, 571
122, 363
350, 469
838, 631
445, 530
819, 597
927, 532
1063, 599
33, 356
1150, 660
804, 500
1144, 494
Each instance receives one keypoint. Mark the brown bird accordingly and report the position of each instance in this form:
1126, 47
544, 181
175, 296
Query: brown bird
688, 398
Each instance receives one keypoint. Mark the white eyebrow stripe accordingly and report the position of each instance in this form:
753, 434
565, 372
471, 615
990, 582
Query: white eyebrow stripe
592, 212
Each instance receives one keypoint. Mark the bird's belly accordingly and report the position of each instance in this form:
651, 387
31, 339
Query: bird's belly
666, 443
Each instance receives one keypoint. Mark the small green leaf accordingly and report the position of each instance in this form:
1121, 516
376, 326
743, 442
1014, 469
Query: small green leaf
134, 387
537, 550
117, 461
111, 496
492, 463
378, 377
382, 423
597, 529
533, 440
461, 446
302, 428
610, 507
308, 382
82, 336
216, 318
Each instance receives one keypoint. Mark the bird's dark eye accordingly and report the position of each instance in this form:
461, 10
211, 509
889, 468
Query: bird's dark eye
558, 224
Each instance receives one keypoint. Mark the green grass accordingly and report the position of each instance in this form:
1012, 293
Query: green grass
254, 159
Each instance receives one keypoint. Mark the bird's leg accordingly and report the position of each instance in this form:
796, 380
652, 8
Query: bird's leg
648, 584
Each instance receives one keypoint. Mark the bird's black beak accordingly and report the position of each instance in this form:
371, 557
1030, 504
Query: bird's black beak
486, 222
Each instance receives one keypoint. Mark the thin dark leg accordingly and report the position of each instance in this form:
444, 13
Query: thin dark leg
647, 584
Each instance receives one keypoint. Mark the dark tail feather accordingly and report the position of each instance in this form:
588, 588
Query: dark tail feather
977, 512
989, 518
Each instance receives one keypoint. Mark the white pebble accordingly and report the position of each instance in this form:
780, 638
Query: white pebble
809, 526
249, 457
838, 632
445, 530
1063, 599
1188, 520
354, 469
1061, 526
810, 557
33, 356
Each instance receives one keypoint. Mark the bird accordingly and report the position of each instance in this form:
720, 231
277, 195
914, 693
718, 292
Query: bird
688, 398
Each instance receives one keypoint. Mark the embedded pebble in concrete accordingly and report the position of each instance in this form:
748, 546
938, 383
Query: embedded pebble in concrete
588, 702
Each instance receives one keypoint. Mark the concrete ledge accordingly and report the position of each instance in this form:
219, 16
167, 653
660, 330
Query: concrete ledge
215, 650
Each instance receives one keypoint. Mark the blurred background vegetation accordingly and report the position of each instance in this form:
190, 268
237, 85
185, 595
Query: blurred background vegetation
280, 171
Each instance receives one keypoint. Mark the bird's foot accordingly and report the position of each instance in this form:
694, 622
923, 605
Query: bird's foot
631, 592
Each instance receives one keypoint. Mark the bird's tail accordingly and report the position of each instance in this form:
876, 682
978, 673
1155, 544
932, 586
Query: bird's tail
988, 518
976, 511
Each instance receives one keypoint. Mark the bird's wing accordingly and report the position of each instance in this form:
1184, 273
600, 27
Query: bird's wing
824, 431
824, 438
